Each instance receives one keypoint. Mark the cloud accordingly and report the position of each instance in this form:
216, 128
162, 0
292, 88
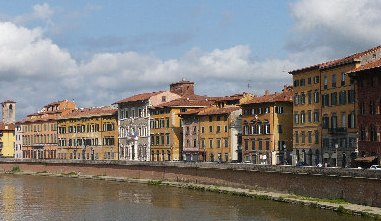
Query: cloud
337, 26
41, 12
35, 71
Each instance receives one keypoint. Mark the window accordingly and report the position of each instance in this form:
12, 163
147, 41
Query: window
342, 79
309, 80
325, 82
246, 144
316, 96
309, 116
226, 128
343, 120
218, 143
296, 99
296, 118
296, 137
351, 96
302, 82
316, 137
210, 143
296, 83
203, 143
253, 144
351, 120
302, 117
303, 98
267, 129
218, 129
260, 144
267, 144
316, 79
279, 109
309, 136
163, 98
202, 130
167, 139
316, 116
334, 98
303, 137
334, 121
218, 118
325, 121
210, 118
309, 95
334, 80
342, 97
211, 129
226, 142
325, 99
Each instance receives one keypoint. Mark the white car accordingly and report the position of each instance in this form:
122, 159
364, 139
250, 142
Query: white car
375, 167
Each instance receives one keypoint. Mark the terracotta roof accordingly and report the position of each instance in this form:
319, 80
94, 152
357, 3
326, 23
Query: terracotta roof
55, 103
44, 119
89, 112
138, 97
186, 102
7, 126
285, 96
367, 66
336, 62
44, 112
217, 110
191, 112
8, 101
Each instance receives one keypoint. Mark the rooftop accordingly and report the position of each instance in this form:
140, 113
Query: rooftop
336, 62
139, 97
89, 112
367, 66
8, 127
284, 96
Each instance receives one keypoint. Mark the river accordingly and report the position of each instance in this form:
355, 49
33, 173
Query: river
33, 198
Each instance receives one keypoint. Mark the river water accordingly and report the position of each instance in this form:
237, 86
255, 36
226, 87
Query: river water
35, 198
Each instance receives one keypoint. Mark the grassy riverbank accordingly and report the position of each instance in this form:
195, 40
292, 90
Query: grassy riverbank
337, 205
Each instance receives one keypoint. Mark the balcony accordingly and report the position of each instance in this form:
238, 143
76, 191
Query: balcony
337, 130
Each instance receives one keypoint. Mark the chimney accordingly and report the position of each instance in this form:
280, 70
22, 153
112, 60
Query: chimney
267, 92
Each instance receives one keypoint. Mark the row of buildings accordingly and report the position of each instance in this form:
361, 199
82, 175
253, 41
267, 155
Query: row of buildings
330, 115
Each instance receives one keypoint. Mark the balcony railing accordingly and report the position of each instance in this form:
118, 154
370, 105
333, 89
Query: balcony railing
337, 130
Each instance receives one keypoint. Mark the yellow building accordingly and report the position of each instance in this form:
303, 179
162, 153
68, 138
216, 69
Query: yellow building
39, 130
307, 116
166, 128
335, 130
219, 131
88, 134
267, 128
7, 140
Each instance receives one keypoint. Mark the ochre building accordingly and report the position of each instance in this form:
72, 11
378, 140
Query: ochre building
88, 134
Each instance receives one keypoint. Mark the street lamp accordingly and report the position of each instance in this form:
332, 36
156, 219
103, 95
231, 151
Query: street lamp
337, 156
284, 154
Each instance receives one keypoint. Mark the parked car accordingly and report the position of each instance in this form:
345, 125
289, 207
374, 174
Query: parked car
375, 167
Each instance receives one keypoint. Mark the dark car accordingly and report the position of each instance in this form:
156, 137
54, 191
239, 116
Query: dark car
301, 164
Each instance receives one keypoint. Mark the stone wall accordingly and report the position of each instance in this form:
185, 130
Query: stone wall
356, 186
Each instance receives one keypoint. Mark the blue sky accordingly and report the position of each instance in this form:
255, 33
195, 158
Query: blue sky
97, 52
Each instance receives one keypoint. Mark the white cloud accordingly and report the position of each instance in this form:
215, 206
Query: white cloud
41, 12
337, 26
35, 71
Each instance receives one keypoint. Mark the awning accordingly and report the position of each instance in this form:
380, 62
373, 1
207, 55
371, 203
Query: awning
366, 159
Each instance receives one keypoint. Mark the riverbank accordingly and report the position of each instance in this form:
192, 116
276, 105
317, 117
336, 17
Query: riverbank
336, 205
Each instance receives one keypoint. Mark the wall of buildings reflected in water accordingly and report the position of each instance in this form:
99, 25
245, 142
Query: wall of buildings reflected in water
55, 198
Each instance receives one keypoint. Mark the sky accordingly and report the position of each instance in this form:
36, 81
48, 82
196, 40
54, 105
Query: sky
98, 52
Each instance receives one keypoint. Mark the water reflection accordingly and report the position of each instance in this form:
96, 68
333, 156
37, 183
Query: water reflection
53, 198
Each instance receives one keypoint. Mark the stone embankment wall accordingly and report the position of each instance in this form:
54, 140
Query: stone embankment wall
353, 185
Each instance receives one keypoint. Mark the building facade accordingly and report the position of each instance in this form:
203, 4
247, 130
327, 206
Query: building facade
134, 123
18, 141
368, 86
39, 130
267, 128
7, 129
88, 134
325, 107
166, 128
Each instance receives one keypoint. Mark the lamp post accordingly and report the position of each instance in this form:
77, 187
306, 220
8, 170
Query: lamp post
284, 154
337, 156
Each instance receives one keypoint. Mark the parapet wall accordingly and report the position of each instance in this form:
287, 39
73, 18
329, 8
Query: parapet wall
352, 185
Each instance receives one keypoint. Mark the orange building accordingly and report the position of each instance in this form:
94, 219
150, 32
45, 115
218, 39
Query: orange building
267, 128
39, 130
